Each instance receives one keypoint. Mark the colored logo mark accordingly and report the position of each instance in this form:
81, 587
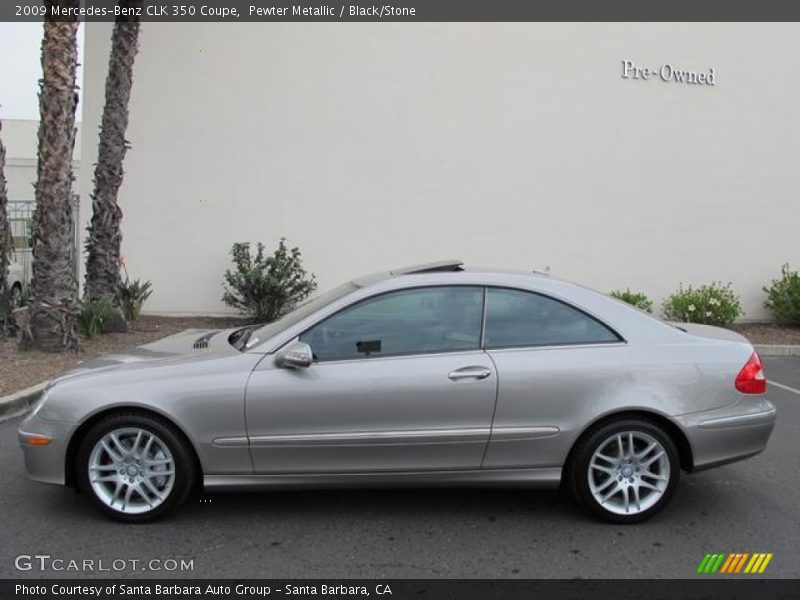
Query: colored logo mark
738, 562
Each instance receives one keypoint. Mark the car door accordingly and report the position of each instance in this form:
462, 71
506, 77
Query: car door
399, 383
555, 363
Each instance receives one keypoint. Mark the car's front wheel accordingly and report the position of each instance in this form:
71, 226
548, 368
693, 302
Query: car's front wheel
134, 467
625, 471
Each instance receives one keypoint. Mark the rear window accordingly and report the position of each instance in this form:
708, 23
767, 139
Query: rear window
517, 318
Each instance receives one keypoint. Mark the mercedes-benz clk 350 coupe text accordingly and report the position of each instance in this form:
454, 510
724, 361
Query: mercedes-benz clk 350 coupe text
429, 375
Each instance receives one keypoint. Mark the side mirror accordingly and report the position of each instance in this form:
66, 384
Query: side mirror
294, 356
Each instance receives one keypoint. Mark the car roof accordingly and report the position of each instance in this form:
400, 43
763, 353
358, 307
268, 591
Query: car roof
631, 324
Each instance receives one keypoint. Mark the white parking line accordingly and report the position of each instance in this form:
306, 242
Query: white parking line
784, 387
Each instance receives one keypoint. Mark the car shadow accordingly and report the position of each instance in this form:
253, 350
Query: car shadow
412, 503
696, 498
286, 505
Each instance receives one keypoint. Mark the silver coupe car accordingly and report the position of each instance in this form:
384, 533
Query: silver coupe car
428, 375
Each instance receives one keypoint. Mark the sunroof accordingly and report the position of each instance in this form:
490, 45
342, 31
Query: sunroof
432, 267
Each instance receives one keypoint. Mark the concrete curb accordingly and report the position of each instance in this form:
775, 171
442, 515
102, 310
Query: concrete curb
20, 402
776, 350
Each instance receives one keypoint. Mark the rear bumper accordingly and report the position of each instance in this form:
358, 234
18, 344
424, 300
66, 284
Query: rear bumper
45, 463
729, 434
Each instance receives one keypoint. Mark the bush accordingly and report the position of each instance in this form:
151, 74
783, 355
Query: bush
266, 287
637, 299
712, 304
132, 295
783, 296
92, 316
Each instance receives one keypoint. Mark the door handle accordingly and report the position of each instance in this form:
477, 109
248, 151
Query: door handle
469, 373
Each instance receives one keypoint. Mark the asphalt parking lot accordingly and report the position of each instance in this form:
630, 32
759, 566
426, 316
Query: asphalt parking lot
752, 506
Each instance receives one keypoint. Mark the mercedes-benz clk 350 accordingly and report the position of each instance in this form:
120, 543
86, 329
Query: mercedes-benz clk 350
429, 375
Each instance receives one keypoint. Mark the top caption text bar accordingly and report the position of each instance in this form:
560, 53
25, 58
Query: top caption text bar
403, 10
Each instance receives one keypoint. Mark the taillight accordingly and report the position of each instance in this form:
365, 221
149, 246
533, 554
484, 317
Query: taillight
751, 379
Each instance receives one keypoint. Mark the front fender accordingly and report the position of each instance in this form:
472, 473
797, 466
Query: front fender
203, 398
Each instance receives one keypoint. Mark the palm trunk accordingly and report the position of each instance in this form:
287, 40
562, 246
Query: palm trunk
103, 243
5, 226
54, 311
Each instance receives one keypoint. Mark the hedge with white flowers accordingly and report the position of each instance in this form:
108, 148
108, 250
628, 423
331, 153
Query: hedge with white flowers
712, 304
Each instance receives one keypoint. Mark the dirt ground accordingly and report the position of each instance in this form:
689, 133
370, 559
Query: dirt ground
19, 370
769, 333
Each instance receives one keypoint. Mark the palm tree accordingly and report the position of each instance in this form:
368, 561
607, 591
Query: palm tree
54, 311
103, 243
5, 245
5, 226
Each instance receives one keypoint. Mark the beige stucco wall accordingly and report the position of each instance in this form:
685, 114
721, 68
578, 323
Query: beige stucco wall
20, 139
517, 145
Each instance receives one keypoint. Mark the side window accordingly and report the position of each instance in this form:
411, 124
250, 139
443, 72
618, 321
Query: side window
417, 321
517, 318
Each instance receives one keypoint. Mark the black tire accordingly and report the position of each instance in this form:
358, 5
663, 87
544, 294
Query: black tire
578, 474
185, 467
16, 296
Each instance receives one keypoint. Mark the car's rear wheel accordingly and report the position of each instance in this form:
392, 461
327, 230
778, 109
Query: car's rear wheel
16, 296
625, 471
134, 467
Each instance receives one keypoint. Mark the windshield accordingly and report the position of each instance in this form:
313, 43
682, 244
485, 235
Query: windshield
264, 332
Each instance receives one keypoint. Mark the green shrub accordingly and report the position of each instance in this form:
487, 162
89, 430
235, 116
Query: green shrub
92, 316
266, 287
783, 296
712, 304
132, 296
637, 299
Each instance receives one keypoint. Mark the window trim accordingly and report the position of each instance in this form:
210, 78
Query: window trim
484, 313
478, 348
618, 341
483, 316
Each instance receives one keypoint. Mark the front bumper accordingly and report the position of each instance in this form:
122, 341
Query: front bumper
731, 433
45, 463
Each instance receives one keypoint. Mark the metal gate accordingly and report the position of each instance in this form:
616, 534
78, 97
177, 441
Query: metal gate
20, 216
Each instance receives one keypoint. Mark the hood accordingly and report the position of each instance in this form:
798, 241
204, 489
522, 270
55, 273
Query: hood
189, 345
711, 332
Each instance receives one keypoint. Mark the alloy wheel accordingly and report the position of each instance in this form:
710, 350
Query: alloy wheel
131, 470
629, 472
